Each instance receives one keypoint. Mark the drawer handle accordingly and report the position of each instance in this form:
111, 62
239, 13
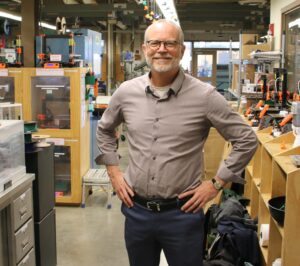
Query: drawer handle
25, 243
26, 259
23, 212
22, 197
24, 228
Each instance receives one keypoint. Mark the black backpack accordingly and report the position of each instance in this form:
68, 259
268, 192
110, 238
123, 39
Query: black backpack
234, 233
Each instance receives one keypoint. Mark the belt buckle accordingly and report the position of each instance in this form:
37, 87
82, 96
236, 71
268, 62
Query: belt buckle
153, 206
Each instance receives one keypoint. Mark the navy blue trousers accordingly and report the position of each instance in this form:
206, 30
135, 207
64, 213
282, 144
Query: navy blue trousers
178, 234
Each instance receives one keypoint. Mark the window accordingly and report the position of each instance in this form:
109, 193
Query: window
186, 61
216, 45
292, 50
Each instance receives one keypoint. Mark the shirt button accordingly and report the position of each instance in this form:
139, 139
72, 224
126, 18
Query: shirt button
155, 139
157, 119
153, 177
153, 158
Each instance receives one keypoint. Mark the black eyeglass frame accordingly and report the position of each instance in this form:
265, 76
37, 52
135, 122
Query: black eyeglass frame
167, 44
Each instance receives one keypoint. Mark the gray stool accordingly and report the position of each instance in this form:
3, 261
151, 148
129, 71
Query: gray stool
99, 178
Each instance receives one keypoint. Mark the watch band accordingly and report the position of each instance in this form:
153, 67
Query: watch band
217, 185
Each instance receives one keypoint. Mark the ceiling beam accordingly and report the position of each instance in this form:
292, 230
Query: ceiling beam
91, 9
213, 6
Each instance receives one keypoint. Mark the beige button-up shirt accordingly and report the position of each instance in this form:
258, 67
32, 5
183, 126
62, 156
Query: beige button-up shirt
166, 135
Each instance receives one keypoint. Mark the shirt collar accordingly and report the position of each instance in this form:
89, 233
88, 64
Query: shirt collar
175, 86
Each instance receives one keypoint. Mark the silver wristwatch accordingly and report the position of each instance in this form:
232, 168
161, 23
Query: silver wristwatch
217, 185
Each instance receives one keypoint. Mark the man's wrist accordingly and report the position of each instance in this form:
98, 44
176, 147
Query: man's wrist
113, 170
218, 183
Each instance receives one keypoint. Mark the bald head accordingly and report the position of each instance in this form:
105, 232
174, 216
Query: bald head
160, 23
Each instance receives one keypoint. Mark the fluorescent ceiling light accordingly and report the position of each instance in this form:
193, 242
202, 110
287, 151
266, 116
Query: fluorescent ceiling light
294, 23
48, 26
19, 18
10, 16
168, 10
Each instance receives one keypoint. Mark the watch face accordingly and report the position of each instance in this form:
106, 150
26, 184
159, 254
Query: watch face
216, 184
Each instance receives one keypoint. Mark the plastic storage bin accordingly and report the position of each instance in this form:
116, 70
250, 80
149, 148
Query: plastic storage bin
11, 111
12, 156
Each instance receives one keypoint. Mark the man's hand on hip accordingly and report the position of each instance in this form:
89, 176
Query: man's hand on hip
120, 185
200, 196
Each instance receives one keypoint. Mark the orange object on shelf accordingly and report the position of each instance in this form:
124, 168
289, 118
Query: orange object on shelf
51, 65
296, 97
2, 65
248, 111
268, 96
41, 56
101, 106
96, 88
288, 118
263, 111
280, 95
282, 145
259, 104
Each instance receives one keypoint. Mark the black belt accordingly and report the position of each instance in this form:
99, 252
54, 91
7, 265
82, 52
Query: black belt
160, 205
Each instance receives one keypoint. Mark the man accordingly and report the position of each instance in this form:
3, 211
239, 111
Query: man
168, 115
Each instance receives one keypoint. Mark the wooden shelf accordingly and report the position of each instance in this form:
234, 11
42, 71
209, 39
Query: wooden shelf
266, 197
281, 144
285, 163
250, 169
248, 208
264, 252
279, 227
257, 183
264, 135
275, 148
273, 174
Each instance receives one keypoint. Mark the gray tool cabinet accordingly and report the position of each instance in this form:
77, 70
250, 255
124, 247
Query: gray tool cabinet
17, 224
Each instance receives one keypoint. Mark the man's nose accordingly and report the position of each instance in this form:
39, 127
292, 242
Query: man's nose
162, 47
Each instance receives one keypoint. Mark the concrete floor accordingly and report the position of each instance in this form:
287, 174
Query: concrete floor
94, 235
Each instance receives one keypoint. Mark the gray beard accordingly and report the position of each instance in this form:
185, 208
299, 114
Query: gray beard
175, 63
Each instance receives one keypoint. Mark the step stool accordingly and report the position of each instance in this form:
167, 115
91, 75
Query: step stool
99, 178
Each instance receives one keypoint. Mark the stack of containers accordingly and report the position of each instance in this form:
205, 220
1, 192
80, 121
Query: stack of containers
12, 156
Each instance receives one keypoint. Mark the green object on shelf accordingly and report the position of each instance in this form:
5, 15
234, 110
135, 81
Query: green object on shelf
90, 80
30, 126
62, 186
270, 103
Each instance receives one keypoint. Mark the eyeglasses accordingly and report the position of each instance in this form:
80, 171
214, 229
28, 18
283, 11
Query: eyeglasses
155, 44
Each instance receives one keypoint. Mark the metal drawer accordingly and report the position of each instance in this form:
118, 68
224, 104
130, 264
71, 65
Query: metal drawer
24, 240
22, 208
28, 260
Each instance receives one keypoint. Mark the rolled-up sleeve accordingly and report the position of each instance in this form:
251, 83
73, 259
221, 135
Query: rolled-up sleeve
235, 130
106, 131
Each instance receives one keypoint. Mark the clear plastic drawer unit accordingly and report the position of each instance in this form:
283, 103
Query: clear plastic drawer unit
12, 155
10, 111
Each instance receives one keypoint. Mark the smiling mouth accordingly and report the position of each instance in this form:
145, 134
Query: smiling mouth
162, 58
